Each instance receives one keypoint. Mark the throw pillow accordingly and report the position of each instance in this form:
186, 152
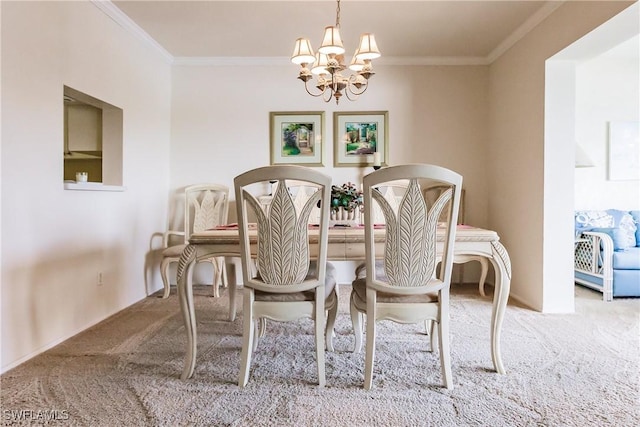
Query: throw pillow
619, 237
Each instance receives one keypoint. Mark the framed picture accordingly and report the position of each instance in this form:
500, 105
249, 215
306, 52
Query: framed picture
297, 137
358, 136
624, 150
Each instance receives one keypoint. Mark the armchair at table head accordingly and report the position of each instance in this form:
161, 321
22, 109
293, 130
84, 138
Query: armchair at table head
405, 286
205, 206
284, 284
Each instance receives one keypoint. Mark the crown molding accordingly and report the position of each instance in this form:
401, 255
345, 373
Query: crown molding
282, 60
528, 25
129, 25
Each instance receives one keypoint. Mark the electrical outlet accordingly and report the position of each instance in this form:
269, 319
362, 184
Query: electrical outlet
100, 282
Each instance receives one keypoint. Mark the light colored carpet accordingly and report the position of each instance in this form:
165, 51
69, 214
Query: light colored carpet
579, 369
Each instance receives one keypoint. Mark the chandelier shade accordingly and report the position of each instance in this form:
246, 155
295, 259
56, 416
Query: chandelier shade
303, 52
320, 64
368, 48
332, 42
328, 65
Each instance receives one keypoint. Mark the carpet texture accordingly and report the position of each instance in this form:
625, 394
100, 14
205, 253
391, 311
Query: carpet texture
577, 369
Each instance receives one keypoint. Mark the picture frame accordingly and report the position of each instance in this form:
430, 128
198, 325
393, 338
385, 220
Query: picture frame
357, 135
624, 151
296, 137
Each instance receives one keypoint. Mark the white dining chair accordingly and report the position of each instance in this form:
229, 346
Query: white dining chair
406, 286
205, 206
284, 283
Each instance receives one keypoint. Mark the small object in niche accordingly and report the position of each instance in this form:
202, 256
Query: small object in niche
82, 176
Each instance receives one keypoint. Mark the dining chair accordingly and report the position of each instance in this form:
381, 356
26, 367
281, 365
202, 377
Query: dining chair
405, 286
431, 195
205, 206
290, 278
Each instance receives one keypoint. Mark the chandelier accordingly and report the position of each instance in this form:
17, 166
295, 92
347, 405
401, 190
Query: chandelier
328, 64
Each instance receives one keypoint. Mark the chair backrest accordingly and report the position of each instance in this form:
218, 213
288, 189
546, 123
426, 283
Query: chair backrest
283, 248
205, 206
432, 193
300, 191
392, 192
413, 238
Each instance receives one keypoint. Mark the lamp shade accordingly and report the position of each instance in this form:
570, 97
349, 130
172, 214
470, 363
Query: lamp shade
320, 64
582, 158
357, 64
302, 52
332, 42
368, 48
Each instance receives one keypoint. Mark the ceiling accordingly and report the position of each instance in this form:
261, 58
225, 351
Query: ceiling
475, 30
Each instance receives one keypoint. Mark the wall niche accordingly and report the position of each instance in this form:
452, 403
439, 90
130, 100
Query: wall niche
92, 141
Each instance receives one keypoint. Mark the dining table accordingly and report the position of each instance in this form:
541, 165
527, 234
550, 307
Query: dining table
344, 244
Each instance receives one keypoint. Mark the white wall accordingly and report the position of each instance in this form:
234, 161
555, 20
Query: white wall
526, 200
607, 89
220, 123
54, 242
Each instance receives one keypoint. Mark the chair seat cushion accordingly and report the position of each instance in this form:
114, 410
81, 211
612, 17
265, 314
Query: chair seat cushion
174, 251
329, 287
360, 289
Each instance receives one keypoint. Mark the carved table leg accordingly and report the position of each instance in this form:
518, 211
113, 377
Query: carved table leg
185, 296
502, 267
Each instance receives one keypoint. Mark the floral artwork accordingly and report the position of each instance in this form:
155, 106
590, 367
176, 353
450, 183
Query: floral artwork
297, 138
358, 136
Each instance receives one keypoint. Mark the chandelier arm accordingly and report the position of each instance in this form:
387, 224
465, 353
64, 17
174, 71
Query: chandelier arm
349, 92
356, 94
330, 92
309, 92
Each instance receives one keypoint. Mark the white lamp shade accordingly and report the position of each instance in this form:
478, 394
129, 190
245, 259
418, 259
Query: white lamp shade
357, 64
302, 52
332, 42
320, 64
582, 158
368, 48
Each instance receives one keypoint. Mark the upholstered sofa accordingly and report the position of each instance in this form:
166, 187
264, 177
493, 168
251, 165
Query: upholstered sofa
607, 252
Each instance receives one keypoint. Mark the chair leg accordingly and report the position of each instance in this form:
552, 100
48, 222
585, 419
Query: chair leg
331, 321
247, 337
258, 332
445, 352
371, 339
429, 330
356, 322
217, 277
484, 262
225, 279
320, 341
370, 352
164, 273
432, 334
262, 327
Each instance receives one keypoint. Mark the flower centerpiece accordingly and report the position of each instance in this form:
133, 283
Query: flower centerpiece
346, 202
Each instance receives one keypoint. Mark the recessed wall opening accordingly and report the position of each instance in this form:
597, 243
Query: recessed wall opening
93, 133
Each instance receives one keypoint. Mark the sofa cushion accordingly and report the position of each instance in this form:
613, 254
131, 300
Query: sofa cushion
627, 260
